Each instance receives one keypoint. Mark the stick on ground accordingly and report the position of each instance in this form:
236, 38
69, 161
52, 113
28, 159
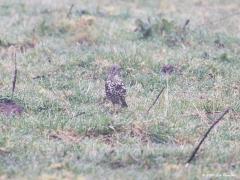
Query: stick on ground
154, 102
15, 72
206, 134
70, 11
185, 24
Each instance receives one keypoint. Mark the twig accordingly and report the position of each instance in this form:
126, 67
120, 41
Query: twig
79, 114
70, 11
15, 72
206, 134
185, 24
154, 102
39, 77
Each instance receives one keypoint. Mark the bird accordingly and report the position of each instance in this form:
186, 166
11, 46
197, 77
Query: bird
114, 87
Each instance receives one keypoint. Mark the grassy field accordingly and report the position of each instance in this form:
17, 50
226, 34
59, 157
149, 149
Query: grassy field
68, 129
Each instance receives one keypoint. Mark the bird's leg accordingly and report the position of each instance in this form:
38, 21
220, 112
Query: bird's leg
115, 109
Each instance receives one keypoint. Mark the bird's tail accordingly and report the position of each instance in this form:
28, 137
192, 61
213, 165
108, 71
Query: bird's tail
123, 102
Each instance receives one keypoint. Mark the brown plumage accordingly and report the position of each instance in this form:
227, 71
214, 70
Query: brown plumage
114, 87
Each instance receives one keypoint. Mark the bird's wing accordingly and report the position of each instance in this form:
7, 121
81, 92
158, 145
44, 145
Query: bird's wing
108, 87
115, 86
120, 87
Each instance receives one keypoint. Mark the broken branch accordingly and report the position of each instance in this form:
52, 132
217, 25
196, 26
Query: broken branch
15, 72
154, 102
70, 11
206, 134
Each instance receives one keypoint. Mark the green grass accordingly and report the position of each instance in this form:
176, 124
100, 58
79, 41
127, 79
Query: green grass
68, 130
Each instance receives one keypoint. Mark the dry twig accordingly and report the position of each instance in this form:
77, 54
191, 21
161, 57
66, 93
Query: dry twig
186, 24
70, 11
206, 134
154, 102
15, 72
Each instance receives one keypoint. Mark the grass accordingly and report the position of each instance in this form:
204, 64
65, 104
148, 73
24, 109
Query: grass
68, 130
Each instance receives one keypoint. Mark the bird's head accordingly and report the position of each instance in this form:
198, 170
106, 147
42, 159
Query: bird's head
114, 70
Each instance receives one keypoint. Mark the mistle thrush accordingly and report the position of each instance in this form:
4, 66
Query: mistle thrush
114, 87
